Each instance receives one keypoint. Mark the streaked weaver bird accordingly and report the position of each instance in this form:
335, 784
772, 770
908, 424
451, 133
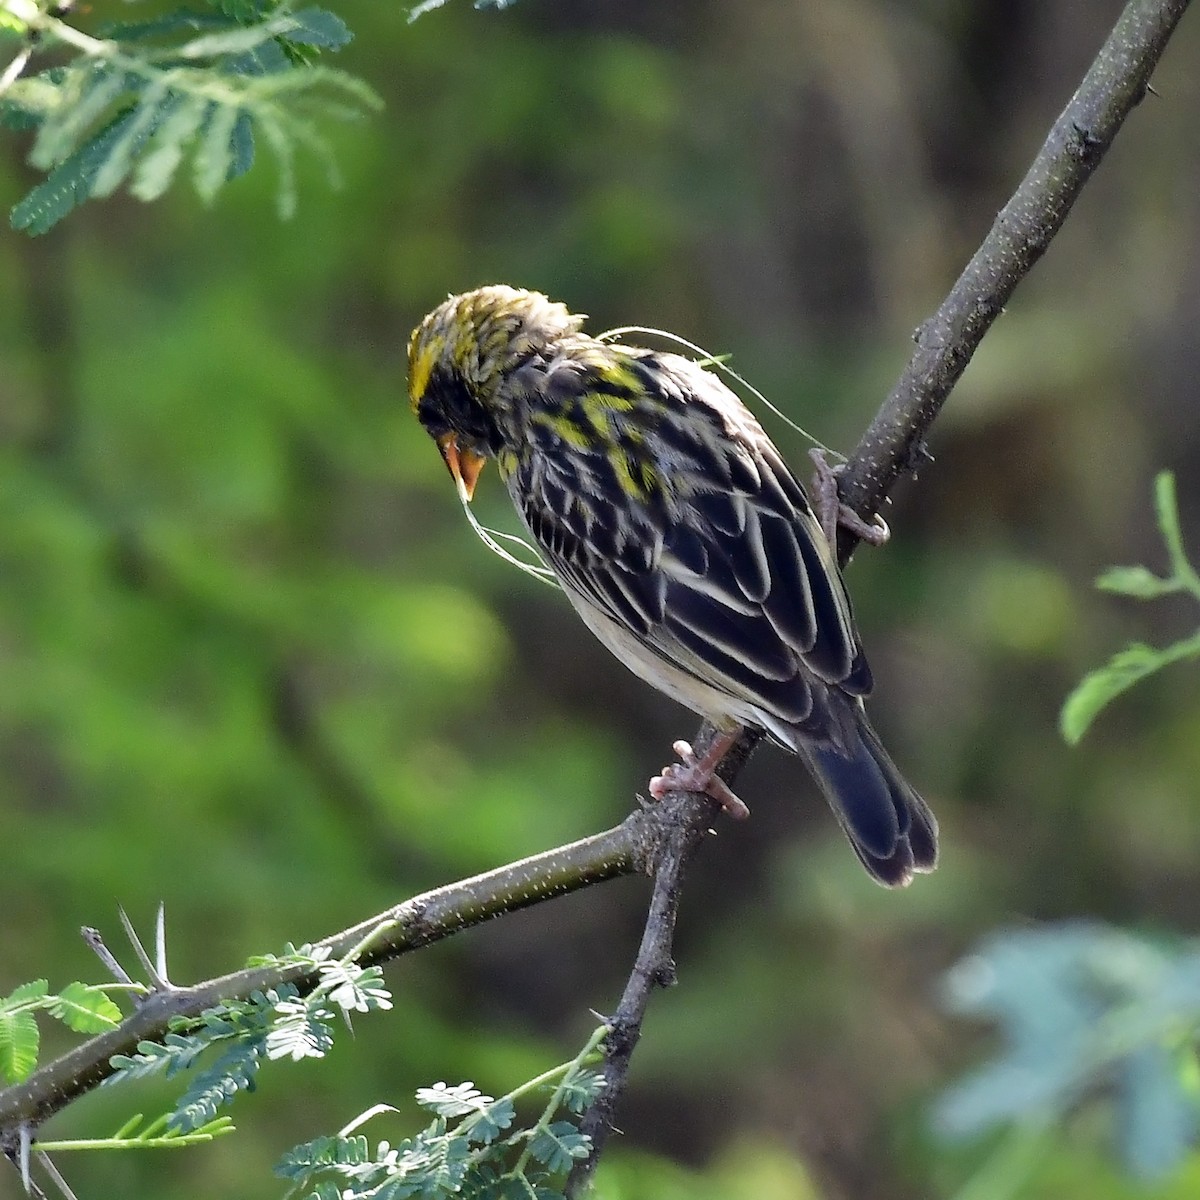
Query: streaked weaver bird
681, 538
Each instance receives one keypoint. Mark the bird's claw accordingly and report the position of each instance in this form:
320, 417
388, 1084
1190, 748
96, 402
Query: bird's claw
694, 774
833, 514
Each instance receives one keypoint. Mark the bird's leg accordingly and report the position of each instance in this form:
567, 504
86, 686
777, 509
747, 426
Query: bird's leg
832, 513
697, 774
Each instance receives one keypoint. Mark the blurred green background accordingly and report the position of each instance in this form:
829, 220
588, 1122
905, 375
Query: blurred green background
254, 664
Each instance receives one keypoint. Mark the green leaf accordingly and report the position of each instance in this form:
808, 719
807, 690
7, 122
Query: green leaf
234, 1071
94, 90
580, 1088
70, 183
85, 1009
156, 169
214, 157
151, 106
319, 27
453, 1101
1099, 688
355, 989
285, 156
488, 1124
1084, 1010
1167, 511
1137, 582
176, 1053
559, 1146
35, 989
241, 146
18, 1045
301, 1161
244, 12
1126, 668
300, 1031
175, 22
14, 115
1159, 1116
239, 40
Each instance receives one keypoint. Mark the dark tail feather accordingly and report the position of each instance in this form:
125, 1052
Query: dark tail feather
891, 828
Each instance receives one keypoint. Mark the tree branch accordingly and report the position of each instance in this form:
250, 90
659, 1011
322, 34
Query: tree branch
1116, 81
663, 838
623, 850
894, 442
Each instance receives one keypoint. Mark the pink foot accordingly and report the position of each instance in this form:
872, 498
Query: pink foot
832, 513
693, 774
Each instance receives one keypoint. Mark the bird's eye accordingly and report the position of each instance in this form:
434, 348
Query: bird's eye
449, 405
433, 419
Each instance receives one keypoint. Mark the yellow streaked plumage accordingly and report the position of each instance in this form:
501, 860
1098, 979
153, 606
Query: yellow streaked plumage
681, 538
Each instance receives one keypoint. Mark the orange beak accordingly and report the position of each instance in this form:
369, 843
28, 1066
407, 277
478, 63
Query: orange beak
464, 465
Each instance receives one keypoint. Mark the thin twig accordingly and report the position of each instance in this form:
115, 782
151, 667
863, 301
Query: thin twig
95, 940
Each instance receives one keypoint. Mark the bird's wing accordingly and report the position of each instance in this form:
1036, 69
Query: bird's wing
711, 556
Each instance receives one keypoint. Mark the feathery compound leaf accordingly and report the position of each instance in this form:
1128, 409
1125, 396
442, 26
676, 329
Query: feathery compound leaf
182, 20
468, 1159
156, 168
558, 1146
234, 1071
85, 1009
237, 40
580, 1088
490, 1122
195, 83
355, 989
319, 27
306, 956
1135, 662
300, 1161
453, 1101
301, 1030
87, 93
70, 183
285, 155
177, 1053
35, 989
1084, 1012
152, 106
214, 155
19, 1040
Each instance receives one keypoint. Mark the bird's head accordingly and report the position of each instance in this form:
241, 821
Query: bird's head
461, 357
